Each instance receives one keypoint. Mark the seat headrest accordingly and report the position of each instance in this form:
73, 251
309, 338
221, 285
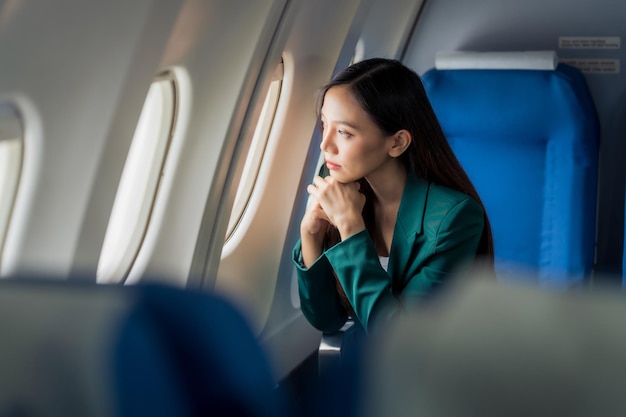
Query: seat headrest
530, 60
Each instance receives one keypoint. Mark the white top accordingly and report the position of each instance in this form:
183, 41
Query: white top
384, 261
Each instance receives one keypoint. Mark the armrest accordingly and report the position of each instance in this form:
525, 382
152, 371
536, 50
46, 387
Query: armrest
329, 352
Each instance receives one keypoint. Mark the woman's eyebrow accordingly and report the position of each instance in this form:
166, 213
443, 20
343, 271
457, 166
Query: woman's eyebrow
349, 124
342, 122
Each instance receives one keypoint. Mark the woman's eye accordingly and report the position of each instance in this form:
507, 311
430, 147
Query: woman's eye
344, 133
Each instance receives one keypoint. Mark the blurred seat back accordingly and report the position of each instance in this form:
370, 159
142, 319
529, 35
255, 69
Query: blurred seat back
526, 131
497, 349
148, 350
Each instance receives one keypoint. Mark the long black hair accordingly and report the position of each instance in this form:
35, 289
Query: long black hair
394, 96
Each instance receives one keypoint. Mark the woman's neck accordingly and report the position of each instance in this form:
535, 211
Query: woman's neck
388, 185
387, 188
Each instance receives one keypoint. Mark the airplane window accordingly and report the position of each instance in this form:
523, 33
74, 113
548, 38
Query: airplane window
139, 182
255, 154
11, 149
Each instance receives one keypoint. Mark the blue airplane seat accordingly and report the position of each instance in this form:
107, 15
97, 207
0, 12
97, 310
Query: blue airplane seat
525, 129
145, 350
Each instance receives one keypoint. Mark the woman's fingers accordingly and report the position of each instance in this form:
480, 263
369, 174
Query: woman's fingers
315, 219
333, 203
318, 222
334, 196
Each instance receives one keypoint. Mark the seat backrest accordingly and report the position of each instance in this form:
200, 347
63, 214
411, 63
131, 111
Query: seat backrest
492, 349
525, 129
146, 350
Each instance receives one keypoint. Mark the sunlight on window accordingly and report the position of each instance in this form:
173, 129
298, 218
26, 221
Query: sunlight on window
11, 148
139, 182
255, 154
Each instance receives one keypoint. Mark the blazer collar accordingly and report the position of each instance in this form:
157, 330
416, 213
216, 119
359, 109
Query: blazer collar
412, 207
408, 223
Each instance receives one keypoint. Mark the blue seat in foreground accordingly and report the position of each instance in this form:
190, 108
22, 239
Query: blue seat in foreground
526, 130
146, 350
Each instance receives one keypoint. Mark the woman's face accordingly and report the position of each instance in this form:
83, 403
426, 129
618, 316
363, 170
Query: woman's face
354, 146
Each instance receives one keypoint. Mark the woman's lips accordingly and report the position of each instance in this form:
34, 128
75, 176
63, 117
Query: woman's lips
332, 166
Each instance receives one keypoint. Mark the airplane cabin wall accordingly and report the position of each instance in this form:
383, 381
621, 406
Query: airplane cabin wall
78, 72
388, 28
494, 25
81, 88
224, 47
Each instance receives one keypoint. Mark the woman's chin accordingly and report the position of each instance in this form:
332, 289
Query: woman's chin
344, 179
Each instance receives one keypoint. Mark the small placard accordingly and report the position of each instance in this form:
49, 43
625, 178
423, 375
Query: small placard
590, 42
594, 66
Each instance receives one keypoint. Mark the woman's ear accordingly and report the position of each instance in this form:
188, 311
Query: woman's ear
400, 141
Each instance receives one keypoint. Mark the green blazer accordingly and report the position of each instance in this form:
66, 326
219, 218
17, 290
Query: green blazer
437, 230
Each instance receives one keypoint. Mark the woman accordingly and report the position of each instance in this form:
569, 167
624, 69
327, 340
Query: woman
396, 215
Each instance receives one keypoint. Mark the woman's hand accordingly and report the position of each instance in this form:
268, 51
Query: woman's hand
340, 204
315, 222
313, 228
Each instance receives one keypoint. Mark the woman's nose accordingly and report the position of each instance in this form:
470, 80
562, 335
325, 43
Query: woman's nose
327, 143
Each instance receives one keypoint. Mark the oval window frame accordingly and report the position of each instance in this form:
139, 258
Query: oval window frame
117, 259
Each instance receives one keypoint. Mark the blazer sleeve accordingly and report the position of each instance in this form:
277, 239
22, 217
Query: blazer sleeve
369, 288
319, 301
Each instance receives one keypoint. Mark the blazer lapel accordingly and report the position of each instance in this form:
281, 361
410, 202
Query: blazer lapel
408, 224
